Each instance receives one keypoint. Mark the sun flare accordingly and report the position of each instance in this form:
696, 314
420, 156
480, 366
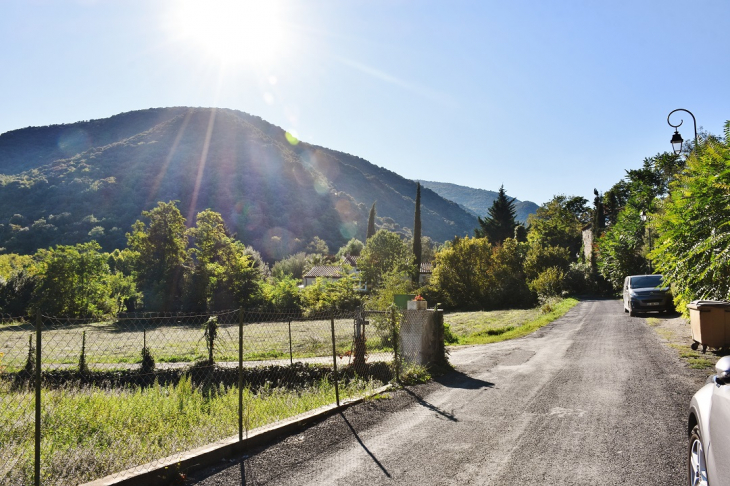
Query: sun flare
234, 31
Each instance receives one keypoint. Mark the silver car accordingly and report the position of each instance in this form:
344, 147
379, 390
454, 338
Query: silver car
709, 430
644, 293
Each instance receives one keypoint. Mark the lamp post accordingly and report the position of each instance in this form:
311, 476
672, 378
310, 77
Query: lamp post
677, 138
644, 218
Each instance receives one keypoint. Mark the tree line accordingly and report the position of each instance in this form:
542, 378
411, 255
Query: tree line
669, 216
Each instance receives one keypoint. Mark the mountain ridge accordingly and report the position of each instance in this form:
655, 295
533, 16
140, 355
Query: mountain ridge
477, 201
70, 183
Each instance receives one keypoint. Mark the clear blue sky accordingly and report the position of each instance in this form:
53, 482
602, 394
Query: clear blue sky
545, 97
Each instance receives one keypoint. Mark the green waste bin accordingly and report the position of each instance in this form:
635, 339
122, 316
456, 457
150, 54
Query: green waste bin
401, 300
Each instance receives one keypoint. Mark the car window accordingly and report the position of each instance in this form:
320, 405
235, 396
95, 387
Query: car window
646, 281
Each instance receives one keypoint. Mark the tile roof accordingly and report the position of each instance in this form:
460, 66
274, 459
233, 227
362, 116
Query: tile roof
350, 260
328, 271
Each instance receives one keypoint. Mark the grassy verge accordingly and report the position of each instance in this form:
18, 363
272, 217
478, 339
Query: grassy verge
675, 331
494, 326
92, 432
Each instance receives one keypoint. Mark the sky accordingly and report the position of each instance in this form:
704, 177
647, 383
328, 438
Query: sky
545, 97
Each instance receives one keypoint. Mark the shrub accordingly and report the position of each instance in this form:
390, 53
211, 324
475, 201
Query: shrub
550, 283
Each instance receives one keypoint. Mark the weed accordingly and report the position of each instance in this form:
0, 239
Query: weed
414, 374
83, 366
211, 333
449, 336
29, 367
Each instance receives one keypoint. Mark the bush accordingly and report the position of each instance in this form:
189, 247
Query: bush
550, 283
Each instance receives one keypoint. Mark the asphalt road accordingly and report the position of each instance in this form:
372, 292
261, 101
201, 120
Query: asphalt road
594, 398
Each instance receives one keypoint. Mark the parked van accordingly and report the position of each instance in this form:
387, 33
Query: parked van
644, 293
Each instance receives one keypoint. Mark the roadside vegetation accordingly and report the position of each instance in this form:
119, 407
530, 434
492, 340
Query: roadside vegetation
482, 327
677, 334
91, 432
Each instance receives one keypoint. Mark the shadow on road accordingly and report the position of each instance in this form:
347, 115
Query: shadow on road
362, 444
431, 406
457, 379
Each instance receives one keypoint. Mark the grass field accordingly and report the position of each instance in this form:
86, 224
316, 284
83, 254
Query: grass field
109, 343
90, 433
493, 326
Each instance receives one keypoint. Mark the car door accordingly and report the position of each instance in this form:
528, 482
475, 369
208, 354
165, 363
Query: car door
719, 464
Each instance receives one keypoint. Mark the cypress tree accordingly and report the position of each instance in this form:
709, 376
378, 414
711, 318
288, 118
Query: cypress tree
500, 222
371, 223
417, 232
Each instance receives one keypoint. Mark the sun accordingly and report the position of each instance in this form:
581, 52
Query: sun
235, 31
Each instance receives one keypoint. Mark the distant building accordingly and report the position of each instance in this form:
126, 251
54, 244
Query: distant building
424, 273
335, 272
329, 272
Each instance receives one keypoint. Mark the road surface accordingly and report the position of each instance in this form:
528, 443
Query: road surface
594, 398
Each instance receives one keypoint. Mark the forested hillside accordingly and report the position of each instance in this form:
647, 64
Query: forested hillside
477, 201
72, 183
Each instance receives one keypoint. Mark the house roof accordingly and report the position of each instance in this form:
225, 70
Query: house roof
426, 267
328, 271
350, 260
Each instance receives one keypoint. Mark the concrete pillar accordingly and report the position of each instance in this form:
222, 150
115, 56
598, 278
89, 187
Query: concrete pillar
422, 337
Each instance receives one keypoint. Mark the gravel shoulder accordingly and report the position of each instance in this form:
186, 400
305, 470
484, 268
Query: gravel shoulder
595, 397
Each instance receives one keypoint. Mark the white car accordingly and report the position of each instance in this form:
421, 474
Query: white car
708, 427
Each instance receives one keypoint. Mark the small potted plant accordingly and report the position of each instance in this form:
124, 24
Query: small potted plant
418, 303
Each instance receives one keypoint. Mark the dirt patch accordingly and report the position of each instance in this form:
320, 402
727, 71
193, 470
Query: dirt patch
675, 331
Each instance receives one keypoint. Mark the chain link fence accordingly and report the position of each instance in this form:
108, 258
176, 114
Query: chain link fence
81, 399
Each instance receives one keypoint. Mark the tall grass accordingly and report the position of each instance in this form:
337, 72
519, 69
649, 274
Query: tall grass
92, 432
495, 326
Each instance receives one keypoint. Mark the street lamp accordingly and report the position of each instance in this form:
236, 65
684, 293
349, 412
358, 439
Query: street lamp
677, 138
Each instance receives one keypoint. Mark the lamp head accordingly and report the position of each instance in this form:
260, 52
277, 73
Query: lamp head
677, 142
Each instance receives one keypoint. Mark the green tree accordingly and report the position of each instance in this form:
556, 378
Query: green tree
540, 257
462, 272
318, 246
294, 266
163, 258
384, 252
558, 222
417, 233
620, 248
282, 295
353, 247
693, 252
623, 249
224, 276
470, 273
500, 223
337, 295
371, 223
73, 281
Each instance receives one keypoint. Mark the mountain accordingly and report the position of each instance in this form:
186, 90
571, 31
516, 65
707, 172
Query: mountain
477, 201
65, 184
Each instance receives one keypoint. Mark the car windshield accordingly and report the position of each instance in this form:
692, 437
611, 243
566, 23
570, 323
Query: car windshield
646, 281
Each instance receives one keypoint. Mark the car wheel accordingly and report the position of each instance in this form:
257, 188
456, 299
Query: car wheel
625, 309
632, 312
697, 469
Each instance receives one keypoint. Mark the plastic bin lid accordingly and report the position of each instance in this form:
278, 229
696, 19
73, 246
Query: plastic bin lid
696, 304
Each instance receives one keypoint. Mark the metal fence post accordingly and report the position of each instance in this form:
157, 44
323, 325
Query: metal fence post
38, 400
395, 344
334, 361
291, 355
240, 375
